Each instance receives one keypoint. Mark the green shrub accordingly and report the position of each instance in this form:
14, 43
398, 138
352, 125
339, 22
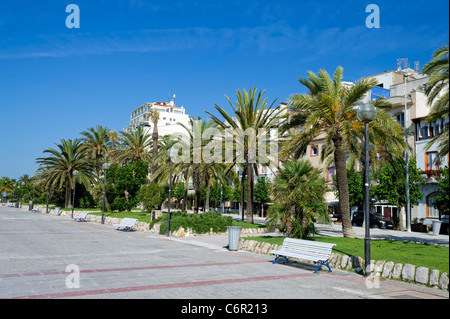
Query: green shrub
200, 223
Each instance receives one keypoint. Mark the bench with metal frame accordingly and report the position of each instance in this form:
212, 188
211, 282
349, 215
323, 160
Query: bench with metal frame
316, 252
81, 217
127, 224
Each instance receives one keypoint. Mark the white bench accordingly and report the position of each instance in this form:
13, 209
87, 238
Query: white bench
306, 250
127, 224
81, 217
36, 210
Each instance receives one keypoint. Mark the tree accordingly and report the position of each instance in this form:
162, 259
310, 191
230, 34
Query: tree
328, 111
437, 90
442, 200
151, 195
127, 181
250, 129
262, 188
57, 169
154, 116
134, 146
355, 188
391, 185
97, 143
300, 193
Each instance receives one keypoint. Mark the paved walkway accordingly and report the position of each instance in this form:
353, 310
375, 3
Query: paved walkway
46, 256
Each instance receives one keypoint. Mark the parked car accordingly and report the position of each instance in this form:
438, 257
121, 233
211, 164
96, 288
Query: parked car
375, 221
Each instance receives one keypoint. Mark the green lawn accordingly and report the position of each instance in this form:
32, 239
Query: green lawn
430, 256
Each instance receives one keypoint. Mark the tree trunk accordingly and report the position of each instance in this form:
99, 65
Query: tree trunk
197, 188
341, 178
68, 203
155, 146
250, 184
208, 191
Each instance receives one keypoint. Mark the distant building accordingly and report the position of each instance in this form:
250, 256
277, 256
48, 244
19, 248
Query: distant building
169, 117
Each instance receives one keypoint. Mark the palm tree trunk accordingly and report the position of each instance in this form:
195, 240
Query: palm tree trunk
250, 184
341, 178
208, 192
68, 203
155, 146
197, 188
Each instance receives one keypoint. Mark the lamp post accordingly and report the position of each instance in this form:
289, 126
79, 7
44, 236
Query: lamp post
170, 153
75, 174
21, 198
105, 168
48, 194
366, 113
408, 206
221, 198
14, 193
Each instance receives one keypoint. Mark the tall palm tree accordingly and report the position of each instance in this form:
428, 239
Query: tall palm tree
300, 191
57, 169
154, 116
97, 142
134, 146
437, 91
114, 139
328, 111
254, 116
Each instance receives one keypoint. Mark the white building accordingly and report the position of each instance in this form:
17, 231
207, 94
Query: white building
392, 87
169, 117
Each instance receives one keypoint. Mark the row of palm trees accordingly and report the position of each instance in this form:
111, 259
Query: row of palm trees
326, 111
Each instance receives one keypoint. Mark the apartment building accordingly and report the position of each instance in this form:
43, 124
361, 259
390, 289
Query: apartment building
169, 117
405, 90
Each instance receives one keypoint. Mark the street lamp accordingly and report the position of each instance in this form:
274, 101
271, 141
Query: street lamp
105, 167
366, 113
21, 199
408, 207
171, 153
14, 193
75, 174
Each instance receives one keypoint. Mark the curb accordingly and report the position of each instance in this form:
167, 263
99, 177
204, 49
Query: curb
383, 268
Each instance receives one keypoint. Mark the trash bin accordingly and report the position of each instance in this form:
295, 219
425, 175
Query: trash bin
30, 205
234, 234
16, 204
436, 227
57, 211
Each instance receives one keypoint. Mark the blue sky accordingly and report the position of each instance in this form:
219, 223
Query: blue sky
56, 82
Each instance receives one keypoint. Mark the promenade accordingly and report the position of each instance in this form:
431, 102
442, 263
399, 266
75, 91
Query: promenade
46, 256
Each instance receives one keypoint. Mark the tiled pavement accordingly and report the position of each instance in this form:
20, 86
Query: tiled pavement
46, 256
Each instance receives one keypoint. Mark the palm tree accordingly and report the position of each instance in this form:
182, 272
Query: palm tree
57, 169
134, 146
154, 116
113, 138
250, 127
300, 191
328, 111
97, 143
437, 90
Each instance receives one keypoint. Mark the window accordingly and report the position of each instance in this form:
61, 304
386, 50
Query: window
432, 212
424, 132
431, 161
330, 174
314, 151
401, 119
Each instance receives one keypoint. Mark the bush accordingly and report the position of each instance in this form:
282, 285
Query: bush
200, 223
